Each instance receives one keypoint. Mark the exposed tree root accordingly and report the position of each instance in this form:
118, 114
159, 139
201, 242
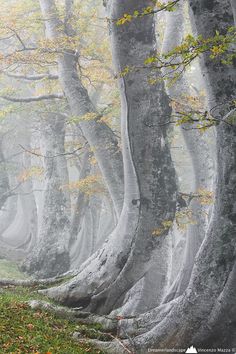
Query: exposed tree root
129, 327
35, 282
74, 314
116, 345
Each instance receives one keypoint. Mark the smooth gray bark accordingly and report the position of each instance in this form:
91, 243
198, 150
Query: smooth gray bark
99, 135
198, 149
132, 44
50, 256
107, 221
81, 201
147, 289
22, 228
199, 316
8, 214
8, 203
233, 5
4, 179
28, 202
150, 185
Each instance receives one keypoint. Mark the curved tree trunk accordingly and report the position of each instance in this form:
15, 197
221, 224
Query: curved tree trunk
26, 236
98, 134
205, 315
21, 232
147, 289
199, 316
150, 185
8, 214
199, 152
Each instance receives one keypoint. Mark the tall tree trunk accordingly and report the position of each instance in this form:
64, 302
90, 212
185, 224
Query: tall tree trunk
106, 222
51, 254
150, 184
22, 230
4, 180
233, 5
8, 214
98, 134
8, 208
28, 203
82, 200
147, 289
198, 149
198, 317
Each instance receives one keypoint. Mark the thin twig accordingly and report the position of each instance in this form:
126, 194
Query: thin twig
54, 156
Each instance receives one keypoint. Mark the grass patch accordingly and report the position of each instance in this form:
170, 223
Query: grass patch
10, 270
23, 330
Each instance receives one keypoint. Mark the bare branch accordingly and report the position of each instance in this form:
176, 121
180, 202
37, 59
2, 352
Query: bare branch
168, 7
32, 77
54, 156
33, 99
30, 282
10, 192
28, 193
18, 37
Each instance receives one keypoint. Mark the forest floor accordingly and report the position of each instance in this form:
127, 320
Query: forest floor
23, 330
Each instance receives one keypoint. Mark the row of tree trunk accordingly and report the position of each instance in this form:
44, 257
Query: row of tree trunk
125, 260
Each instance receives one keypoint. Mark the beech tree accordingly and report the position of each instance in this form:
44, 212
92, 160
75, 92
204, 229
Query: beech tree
197, 145
209, 292
201, 316
149, 180
98, 135
42, 261
51, 252
96, 100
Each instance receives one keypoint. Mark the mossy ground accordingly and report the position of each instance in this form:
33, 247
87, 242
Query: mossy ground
23, 330
10, 270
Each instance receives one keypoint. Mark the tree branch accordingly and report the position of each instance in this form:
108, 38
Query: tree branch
32, 77
54, 156
33, 99
17, 36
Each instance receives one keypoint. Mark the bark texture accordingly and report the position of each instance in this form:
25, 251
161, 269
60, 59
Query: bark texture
201, 316
205, 314
50, 256
4, 180
150, 185
98, 134
198, 150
